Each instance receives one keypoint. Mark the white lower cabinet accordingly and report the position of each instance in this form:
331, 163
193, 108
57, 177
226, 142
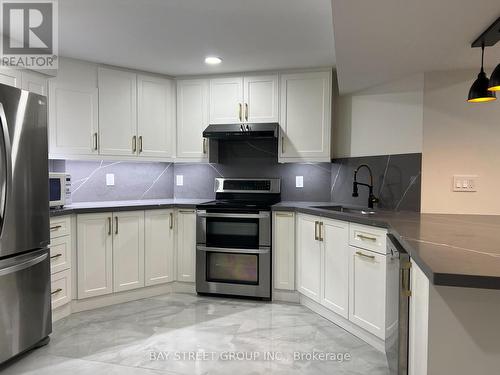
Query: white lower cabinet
128, 250
60, 285
284, 250
186, 245
60, 261
95, 254
308, 257
159, 247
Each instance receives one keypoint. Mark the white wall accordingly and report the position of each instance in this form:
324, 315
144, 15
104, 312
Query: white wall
384, 120
459, 138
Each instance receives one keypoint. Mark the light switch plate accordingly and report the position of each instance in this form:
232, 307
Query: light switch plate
299, 181
179, 180
110, 179
465, 183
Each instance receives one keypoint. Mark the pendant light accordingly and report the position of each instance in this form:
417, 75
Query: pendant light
479, 92
495, 80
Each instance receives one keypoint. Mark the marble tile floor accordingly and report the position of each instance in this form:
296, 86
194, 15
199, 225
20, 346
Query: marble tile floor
187, 334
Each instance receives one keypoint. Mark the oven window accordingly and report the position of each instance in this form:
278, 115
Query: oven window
55, 189
233, 268
233, 233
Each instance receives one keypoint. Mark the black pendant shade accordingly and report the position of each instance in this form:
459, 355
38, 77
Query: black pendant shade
479, 92
495, 80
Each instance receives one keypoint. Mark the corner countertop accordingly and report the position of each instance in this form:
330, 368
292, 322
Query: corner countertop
452, 250
146, 204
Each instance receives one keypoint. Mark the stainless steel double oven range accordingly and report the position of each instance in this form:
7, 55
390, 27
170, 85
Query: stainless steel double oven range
233, 238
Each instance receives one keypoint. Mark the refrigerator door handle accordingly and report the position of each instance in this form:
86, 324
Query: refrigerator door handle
22, 265
5, 159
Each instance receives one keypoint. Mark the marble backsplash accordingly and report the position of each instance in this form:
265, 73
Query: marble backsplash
396, 177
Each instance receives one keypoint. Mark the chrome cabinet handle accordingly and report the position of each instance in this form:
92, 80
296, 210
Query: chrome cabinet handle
365, 255
56, 256
56, 291
94, 141
368, 238
192, 212
246, 111
240, 111
204, 145
116, 224
140, 144
55, 227
171, 220
134, 144
109, 226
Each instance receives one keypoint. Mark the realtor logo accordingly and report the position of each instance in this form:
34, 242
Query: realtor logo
29, 34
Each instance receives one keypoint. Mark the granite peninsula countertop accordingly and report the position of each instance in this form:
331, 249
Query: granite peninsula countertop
452, 250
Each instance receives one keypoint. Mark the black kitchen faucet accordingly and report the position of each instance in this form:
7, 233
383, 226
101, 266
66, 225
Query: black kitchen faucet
371, 198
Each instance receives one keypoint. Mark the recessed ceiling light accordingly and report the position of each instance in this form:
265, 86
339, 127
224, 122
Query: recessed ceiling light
212, 60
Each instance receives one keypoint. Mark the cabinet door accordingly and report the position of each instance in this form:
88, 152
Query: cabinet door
186, 245
226, 100
308, 258
305, 116
284, 250
260, 98
159, 246
34, 82
367, 290
73, 116
117, 112
335, 293
128, 250
95, 254
192, 118
155, 112
11, 77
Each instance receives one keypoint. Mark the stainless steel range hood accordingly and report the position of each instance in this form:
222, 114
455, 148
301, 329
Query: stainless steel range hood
241, 131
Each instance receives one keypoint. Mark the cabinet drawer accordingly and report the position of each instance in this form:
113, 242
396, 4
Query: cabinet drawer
60, 254
60, 288
369, 238
60, 226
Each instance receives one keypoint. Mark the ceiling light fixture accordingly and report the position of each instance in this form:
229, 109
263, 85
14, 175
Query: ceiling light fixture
479, 92
495, 80
213, 60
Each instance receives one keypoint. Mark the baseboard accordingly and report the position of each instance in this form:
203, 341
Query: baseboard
350, 327
286, 296
183, 287
61, 312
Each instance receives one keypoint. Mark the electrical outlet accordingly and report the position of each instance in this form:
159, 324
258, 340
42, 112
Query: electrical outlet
110, 179
299, 181
179, 180
465, 183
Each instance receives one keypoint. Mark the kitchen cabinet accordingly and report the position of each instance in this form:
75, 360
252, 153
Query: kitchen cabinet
192, 119
73, 119
308, 257
34, 82
186, 245
335, 266
95, 254
159, 247
156, 117
128, 250
11, 77
60, 286
305, 117
117, 112
284, 250
248, 99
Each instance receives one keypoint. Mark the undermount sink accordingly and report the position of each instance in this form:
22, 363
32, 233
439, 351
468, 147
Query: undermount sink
350, 210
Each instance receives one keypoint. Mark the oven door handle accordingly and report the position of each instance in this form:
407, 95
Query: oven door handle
234, 216
260, 250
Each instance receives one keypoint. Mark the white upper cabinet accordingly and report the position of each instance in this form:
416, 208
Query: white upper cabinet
73, 119
226, 100
305, 116
11, 77
156, 116
192, 119
34, 82
117, 112
260, 97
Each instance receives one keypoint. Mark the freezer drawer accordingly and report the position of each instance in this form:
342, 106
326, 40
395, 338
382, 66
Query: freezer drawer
25, 311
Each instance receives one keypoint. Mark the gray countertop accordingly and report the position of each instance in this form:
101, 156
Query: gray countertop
452, 250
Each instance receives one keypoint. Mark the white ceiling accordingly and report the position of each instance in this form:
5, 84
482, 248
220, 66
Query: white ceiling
174, 36
383, 40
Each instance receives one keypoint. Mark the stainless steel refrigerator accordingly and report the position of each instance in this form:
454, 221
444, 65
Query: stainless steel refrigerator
25, 307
